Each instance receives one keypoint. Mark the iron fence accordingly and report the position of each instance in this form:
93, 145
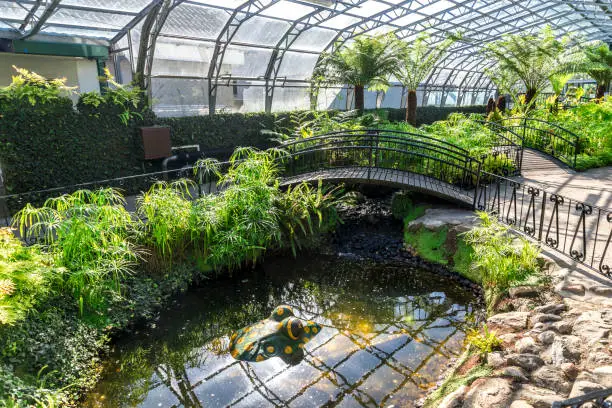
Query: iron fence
576, 229
546, 137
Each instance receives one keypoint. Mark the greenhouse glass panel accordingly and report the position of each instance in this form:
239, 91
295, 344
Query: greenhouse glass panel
297, 65
261, 30
241, 96
245, 62
314, 39
89, 18
12, 10
451, 99
287, 10
332, 98
182, 59
340, 22
287, 99
392, 98
195, 21
369, 8
408, 19
384, 29
179, 97
133, 6
232, 4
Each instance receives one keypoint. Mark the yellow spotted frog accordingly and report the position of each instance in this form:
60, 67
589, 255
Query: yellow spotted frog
281, 335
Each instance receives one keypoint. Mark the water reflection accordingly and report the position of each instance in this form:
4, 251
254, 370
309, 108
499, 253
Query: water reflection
387, 332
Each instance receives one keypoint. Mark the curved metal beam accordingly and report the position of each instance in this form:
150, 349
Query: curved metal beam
313, 19
137, 19
239, 16
49, 10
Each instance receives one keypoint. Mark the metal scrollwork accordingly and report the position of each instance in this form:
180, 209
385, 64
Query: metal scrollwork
530, 230
554, 242
513, 204
579, 255
605, 268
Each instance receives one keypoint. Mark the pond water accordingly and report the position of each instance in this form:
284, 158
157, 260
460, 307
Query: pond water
387, 334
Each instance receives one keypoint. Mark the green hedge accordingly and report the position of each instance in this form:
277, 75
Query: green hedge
53, 144
427, 115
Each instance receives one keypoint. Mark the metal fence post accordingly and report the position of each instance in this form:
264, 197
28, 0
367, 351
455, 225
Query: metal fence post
477, 186
542, 213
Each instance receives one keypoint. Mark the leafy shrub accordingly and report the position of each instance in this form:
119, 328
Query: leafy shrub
403, 208
26, 276
89, 232
485, 341
501, 263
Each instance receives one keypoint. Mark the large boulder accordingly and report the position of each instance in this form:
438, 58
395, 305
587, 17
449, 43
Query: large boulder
488, 392
552, 378
513, 321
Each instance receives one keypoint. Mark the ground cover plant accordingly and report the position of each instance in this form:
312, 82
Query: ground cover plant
97, 267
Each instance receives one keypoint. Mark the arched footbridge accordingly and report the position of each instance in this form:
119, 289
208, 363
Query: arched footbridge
427, 164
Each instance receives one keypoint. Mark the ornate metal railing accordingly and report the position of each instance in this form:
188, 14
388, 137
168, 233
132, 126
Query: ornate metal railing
579, 230
508, 143
596, 399
576, 229
546, 137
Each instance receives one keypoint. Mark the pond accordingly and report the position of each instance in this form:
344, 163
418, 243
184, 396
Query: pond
388, 332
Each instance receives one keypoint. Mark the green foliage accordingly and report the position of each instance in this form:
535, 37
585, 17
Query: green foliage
89, 233
368, 61
592, 123
419, 58
26, 276
127, 99
598, 63
500, 262
455, 381
29, 87
403, 208
485, 341
529, 59
430, 245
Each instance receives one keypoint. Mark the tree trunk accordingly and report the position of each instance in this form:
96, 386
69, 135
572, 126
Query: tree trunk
529, 96
501, 103
359, 98
411, 107
601, 90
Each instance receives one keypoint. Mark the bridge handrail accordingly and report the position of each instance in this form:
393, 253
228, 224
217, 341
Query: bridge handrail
570, 138
367, 132
398, 140
373, 148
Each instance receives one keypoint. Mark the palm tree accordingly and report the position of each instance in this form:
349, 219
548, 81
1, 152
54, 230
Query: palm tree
532, 58
598, 65
369, 61
418, 59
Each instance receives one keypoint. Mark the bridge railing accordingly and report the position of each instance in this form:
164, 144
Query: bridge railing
576, 229
508, 144
546, 137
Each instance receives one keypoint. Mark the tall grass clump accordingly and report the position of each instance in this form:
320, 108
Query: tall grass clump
89, 234
500, 260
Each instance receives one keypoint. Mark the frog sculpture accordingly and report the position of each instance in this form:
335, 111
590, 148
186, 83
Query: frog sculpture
281, 335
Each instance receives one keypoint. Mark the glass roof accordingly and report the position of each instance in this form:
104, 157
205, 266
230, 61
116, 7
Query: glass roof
279, 40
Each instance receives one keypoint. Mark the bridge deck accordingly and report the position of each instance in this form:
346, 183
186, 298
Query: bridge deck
390, 177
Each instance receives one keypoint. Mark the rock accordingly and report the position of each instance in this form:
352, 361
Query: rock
520, 404
516, 373
540, 327
591, 327
565, 349
554, 308
454, 399
552, 378
562, 327
604, 375
526, 345
597, 359
496, 359
570, 370
509, 338
545, 318
575, 288
605, 291
524, 291
536, 396
582, 387
527, 361
488, 392
546, 337
514, 321
436, 218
